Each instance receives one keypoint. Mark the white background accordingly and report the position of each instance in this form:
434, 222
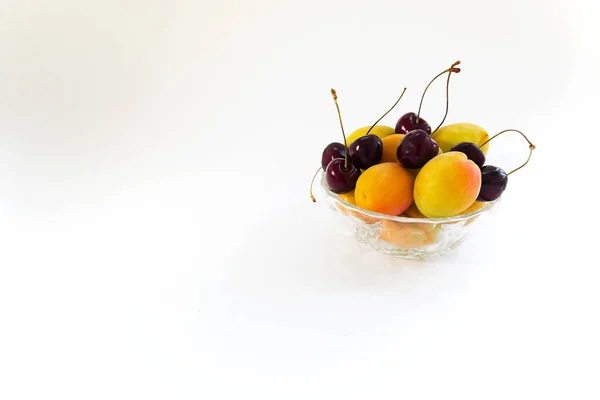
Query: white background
157, 240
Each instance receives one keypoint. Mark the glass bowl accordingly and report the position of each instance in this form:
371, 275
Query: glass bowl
405, 237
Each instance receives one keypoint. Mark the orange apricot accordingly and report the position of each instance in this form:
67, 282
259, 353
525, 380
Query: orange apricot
407, 235
349, 198
386, 188
390, 146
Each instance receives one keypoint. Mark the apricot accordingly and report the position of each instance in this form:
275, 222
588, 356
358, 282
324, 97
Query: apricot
386, 188
378, 130
406, 234
413, 211
390, 145
447, 185
450, 135
472, 208
349, 198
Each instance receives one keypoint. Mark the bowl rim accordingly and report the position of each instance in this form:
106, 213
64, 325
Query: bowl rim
462, 217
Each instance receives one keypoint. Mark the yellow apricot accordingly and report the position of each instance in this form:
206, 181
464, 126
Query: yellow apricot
450, 135
413, 212
477, 205
474, 207
447, 185
378, 130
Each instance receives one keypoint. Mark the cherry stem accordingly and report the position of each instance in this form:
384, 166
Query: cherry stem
524, 164
450, 70
334, 94
531, 146
311, 185
396, 103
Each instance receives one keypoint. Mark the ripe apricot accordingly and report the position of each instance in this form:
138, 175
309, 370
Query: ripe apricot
386, 188
447, 185
390, 145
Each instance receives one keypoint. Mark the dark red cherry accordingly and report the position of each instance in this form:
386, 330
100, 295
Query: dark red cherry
493, 183
416, 149
333, 150
366, 151
409, 122
472, 151
341, 178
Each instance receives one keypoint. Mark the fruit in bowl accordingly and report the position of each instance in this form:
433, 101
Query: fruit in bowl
405, 236
447, 185
386, 188
448, 136
413, 191
381, 131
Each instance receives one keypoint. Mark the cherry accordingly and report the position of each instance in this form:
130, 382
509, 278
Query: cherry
341, 178
495, 179
493, 183
333, 150
411, 121
416, 149
367, 150
473, 152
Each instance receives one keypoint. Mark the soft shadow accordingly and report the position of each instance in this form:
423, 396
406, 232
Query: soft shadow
315, 254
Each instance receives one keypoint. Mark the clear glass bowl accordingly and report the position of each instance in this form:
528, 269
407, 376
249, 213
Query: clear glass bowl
404, 237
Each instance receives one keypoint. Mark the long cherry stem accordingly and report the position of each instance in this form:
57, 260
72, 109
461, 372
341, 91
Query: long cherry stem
396, 103
524, 164
311, 185
334, 94
531, 146
450, 70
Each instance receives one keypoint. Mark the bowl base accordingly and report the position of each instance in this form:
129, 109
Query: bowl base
371, 238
